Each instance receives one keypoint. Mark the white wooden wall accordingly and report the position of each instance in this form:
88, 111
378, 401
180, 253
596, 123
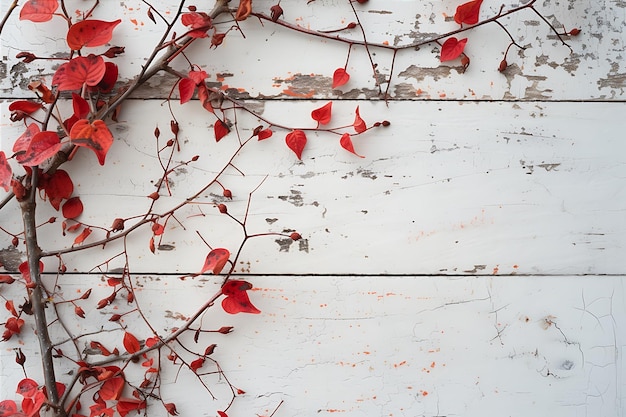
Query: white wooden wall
471, 265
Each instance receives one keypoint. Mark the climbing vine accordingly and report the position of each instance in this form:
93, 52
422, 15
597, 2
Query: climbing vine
72, 112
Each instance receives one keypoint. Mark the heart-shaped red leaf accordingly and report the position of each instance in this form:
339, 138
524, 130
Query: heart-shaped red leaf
264, 134
220, 130
359, 124
21, 144
323, 114
346, 143
131, 344
112, 388
296, 141
72, 208
95, 136
126, 405
186, 88
452, 48
41, 147
468, 12
199, 22
8, 408
27, 387
6, 173
340, 77
90, 32
215, 260
78, 71
38, 10
237, 300
57, 187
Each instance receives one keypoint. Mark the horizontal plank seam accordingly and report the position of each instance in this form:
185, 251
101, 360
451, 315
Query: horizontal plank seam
317, 275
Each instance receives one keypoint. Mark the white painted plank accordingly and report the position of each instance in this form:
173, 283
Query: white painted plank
432, 346
447, 188
269, 62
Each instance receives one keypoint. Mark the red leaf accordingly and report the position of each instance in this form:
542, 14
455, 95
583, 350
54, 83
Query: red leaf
72, 208
8, 408
112, 388
359, 124
78, 310
57, 187
186, 87
6, 279
21, 144
346, 143
196, 364
200, 23
237, 300
126, 405
95, 136
452, 48
264, 134
220, 130
108, 80
171, 409
340, 77
198, 77
10, 306
90, 32
151, 341
21, 108
38, 10
468, 12
41, 147
80, 106
83, 235
203, 96
296, 141
244, 10
97, 345
222, 414
131, 344
99, 409
215, 260
6, 173
158, 229
78, 71
60, 389
323, 114
25, 271
27, 387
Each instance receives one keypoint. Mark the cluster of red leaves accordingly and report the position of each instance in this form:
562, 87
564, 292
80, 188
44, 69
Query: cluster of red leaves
467, 13
13, 325
34, 398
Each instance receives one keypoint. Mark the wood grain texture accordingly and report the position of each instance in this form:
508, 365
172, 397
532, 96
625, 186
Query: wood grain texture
471, 265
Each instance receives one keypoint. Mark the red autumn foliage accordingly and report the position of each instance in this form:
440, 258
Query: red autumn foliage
131, 344
340, 77
346, 143
215, 261
6, 172
296, 141
198, 23
236, 300
72, 208
359, 124
79, 71
41, 146
468, 12
452, 48
322, 115
220, 129
22, 108
90, 33
112, 388
244, 10
57, 187
38, 10
82, 236
95, 136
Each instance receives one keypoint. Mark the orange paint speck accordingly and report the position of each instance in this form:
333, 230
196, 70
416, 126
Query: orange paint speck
397, 365
432, 365
495, 270
442, 95
515, 266
424, 393
133, 21
385, 42
291, 93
